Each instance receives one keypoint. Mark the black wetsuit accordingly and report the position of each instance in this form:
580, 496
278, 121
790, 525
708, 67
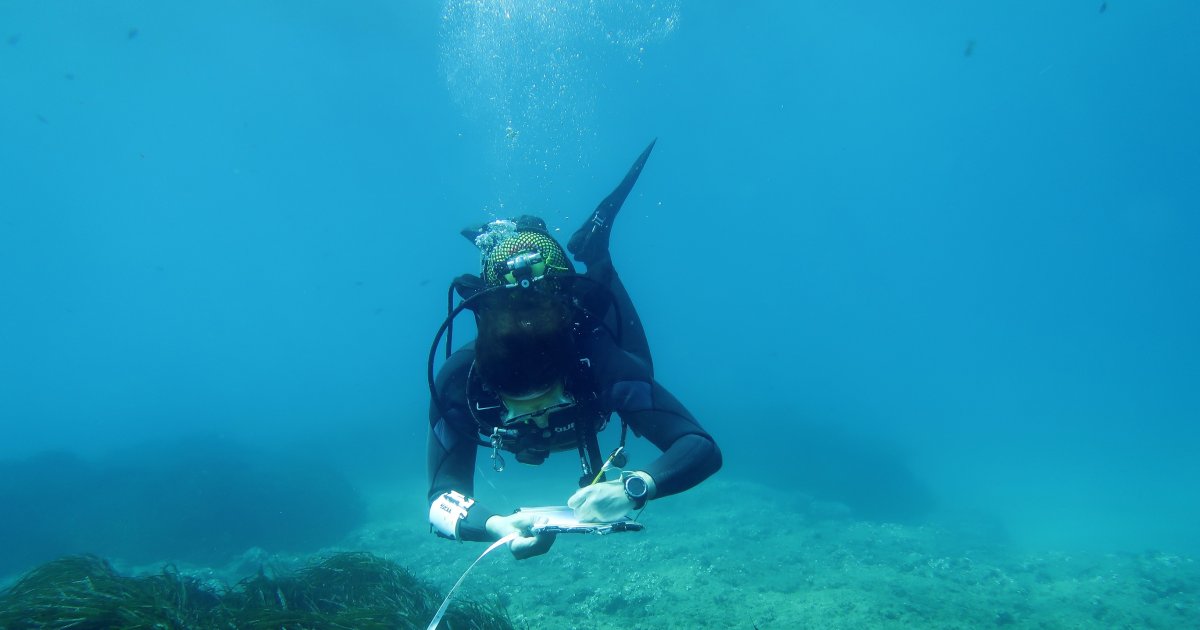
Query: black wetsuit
609, 379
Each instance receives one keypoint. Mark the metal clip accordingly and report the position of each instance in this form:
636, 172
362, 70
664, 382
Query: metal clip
497, 442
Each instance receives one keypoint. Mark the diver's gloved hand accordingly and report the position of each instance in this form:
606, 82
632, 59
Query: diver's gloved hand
528, 544
601, 502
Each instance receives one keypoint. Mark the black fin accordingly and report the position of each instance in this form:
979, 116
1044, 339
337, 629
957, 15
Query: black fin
471, 233
590, 242
467, 285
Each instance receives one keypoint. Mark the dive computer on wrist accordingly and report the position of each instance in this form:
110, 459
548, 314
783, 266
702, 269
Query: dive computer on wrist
637, 490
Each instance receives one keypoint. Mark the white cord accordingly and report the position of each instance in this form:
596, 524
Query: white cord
446, 602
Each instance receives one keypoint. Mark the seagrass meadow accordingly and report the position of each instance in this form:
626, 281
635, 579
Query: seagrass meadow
342, 591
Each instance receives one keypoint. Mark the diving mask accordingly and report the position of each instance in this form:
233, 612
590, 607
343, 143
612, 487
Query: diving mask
536, 407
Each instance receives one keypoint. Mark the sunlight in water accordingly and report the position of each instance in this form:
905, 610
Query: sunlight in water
527, 70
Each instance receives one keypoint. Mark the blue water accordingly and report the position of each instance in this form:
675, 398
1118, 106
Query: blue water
952, 245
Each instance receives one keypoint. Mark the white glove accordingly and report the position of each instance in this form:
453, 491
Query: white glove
527, 544
601, 502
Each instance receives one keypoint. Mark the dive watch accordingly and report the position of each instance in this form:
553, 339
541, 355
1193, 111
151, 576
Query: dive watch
637, 490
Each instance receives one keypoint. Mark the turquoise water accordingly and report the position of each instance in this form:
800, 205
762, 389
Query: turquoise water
921, 265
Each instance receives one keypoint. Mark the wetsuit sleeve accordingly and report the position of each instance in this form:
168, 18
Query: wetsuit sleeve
690, 455
451, 447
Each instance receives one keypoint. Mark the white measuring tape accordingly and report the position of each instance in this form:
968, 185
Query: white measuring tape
446, 602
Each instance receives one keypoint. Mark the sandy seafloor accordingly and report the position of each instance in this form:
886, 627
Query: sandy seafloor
733, 555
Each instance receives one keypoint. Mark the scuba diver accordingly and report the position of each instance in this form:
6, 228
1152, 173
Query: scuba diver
556, 354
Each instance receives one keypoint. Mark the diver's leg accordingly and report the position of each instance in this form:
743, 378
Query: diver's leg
589, 244
601, 302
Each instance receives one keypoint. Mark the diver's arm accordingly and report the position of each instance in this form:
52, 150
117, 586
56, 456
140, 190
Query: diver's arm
690, 455
451, 459
450, 455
